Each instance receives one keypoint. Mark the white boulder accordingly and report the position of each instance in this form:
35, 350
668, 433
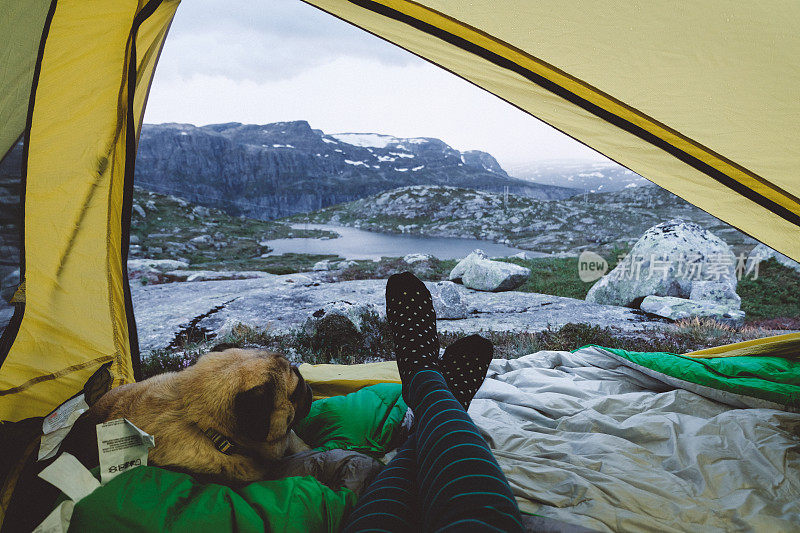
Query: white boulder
478, 272
214, 275
355, 313
666, 261
152, 270
321, 266
410, 259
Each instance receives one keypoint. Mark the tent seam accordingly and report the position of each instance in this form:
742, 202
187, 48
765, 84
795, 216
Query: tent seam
55, 375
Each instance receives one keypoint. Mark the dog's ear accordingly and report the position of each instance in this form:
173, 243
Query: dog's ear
253, 409
222, 347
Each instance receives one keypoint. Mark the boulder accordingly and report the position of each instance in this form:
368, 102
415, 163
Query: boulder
355, 313
678, 308
478, 272
719, 292
762, 252
321, 266
162, 265
447, 301
420, 264
666, 261
152, 270
411, 259
202, 239
342, 327
327, 264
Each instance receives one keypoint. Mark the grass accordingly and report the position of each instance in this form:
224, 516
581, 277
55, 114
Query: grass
289, 263
558, 275
775, 293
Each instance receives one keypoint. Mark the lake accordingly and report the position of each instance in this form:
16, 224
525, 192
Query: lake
359, 244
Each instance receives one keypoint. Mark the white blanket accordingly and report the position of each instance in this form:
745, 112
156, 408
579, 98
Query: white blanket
589, 441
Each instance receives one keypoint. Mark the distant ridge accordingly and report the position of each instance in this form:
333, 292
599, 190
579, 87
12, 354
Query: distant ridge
275, 170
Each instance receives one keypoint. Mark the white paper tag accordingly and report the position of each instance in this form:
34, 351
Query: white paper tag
58, 520
121, 446
69, 476
60, 417
50, 442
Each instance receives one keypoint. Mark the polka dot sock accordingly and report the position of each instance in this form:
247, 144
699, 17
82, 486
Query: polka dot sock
464, 366
412, 320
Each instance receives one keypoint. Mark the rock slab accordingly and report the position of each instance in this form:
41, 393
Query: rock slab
284, 303
679, 308
447, 301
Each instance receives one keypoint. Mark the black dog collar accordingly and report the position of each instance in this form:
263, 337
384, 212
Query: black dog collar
222, 443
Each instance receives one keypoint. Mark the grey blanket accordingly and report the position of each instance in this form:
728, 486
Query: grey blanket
588, 441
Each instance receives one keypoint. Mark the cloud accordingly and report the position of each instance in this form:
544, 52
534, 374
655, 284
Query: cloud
353, 94
269, 61
263, 41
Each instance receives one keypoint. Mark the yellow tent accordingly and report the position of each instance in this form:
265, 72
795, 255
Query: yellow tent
700, 98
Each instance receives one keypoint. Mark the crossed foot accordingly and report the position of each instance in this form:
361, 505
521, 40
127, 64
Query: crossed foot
409, 311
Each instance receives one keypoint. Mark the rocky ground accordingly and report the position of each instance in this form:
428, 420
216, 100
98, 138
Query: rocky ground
214, 273
284, 302
593, 221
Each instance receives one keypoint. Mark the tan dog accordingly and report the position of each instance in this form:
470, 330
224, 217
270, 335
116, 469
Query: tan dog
228, 416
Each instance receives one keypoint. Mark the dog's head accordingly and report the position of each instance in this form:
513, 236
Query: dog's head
251, 396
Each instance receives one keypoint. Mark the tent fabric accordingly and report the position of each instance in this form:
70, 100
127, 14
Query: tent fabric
587, 439
77, 312
21, 23
699, 99
335, 380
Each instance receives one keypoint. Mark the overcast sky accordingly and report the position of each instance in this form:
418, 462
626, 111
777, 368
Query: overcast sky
261, 62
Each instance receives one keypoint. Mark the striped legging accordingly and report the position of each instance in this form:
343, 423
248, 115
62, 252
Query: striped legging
444, 478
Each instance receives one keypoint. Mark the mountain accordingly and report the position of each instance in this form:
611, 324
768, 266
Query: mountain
590, 176
274, 170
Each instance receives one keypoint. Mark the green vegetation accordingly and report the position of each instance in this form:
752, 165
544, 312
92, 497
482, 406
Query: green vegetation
290, 263
775, 293
209, 239
558, 275
334, 339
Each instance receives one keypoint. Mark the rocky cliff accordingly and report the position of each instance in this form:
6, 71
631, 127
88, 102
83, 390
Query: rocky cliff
275, 170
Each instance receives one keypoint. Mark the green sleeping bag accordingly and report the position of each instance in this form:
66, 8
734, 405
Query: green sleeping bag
154, 499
